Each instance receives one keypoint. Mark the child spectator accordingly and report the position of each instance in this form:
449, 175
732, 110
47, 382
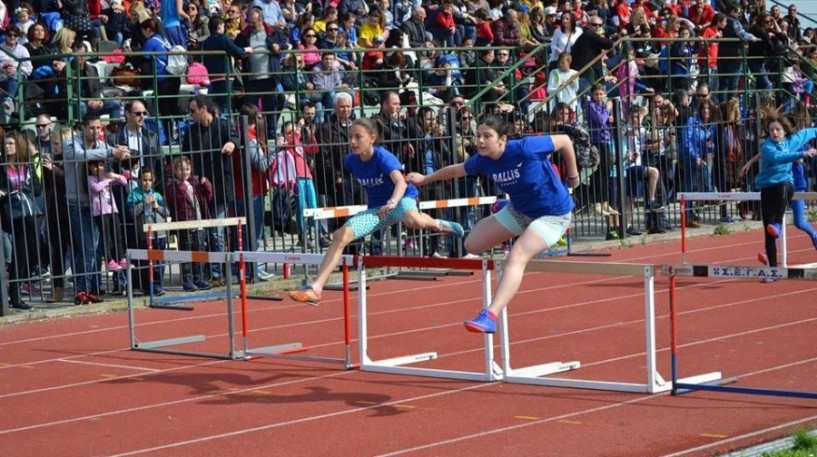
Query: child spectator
292, 142
187, 198
146, 206
105, 212
24, 20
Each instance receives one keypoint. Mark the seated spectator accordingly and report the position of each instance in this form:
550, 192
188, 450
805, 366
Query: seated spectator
15, 66
347, 25
298, 29
39, 46
90, 97
197, 28
309, 49
327, 77
371, 30
329, 14
116, 25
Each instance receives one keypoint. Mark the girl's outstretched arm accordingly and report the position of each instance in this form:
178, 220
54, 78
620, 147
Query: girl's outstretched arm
443, 174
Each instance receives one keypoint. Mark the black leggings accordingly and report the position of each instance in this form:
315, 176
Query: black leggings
774, 201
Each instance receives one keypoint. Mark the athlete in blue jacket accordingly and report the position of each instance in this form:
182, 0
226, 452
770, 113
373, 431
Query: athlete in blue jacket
782, 147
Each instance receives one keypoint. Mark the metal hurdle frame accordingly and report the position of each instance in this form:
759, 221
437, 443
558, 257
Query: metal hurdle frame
159, 346
684, 197
289, 350
152, 255
681, 386
535, 374
491, 370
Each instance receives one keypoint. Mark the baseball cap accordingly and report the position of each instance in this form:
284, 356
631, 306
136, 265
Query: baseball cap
550, 11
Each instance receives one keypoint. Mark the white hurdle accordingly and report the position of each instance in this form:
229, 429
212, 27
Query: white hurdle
684, 197
540, 374
490, 371
288, 350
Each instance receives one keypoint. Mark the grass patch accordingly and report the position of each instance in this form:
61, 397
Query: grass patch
805, 445
722, 229
811, 215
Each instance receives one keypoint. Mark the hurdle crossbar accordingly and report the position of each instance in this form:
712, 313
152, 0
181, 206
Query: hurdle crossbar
288, 350
396, 365
684, 197
540, 374
168, 345
682, 386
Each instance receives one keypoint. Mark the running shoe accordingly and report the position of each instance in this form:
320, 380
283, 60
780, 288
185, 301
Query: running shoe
483, 323
773, 230
455, 228
769, 280
305, 295
203, 285
763, 258
814, 239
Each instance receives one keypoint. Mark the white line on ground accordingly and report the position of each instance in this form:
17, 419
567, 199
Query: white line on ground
108, 365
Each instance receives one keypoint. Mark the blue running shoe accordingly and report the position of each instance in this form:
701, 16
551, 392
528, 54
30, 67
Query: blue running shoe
814, 239
483, 323
203, 285
189, 286
773, 230
455, 228
768, 280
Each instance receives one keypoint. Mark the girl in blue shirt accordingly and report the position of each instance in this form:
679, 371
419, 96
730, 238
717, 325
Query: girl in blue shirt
390, 201
540, 205
782, 147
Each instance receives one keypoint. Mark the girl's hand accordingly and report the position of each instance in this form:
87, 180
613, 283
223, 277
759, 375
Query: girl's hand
386, 209
415, 178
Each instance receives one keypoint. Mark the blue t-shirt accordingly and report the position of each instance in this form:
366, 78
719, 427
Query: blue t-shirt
374, 175
525, 173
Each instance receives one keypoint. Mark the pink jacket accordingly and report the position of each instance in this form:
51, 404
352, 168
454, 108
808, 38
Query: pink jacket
102, 201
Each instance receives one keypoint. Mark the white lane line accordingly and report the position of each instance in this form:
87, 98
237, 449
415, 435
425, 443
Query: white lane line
108, 365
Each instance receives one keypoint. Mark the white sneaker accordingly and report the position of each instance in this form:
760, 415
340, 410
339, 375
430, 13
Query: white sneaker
437, 255
264, 275
471, 256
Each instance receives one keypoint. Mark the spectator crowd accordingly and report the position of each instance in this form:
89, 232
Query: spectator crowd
654, 93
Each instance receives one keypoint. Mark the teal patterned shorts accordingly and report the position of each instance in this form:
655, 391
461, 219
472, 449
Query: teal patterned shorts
368, 221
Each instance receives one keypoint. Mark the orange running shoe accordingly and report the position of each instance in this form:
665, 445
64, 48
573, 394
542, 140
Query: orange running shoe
305, 295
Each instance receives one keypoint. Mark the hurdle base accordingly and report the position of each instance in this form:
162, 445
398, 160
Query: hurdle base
171, 307
353, 287
394, 366
416, 276
544, 369
686, 388
279, 349
169, 342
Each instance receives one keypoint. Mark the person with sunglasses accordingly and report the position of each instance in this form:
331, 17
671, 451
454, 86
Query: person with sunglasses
145, 153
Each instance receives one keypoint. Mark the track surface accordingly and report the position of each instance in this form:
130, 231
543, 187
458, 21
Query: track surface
73, 388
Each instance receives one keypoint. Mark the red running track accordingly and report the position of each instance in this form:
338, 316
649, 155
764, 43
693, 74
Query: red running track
72, 388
